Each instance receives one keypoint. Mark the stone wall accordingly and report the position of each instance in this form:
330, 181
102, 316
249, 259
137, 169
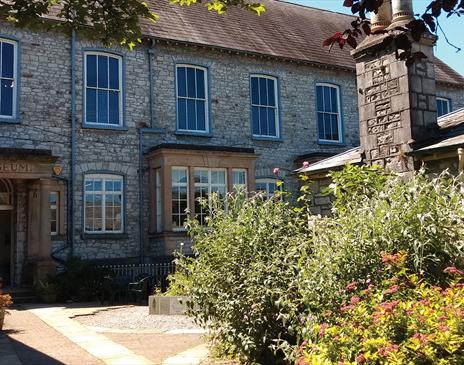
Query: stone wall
45, 113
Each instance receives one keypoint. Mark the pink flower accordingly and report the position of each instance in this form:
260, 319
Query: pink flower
453, 270
355, 300
276, 171
392, 290
346, 308
305, 164
322, 329
361, 359
351, 286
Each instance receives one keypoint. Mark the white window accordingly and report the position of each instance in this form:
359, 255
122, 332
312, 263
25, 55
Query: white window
208, 181
264, 106
8, 78
192, 98
443, 106
103, 204
239, 179
328, 113
267, 187
54, 216
159, 215
179, 176
103, 89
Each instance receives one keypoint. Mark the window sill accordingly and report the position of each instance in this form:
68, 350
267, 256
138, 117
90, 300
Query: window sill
104, 236
331, 143
9, 120
195, 134
105, 127
267, 139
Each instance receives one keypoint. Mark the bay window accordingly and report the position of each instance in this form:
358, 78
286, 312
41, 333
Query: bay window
208, 181
179, 201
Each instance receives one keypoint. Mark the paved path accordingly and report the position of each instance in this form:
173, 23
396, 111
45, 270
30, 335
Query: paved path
49, 336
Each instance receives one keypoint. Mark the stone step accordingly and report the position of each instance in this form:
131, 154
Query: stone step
21, 295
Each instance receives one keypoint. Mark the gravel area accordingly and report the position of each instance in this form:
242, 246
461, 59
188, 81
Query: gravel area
132, 318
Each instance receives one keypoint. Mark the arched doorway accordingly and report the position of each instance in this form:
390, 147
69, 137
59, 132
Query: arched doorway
6, 229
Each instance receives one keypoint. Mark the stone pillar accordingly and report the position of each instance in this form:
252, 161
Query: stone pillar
33, 221
20, 245
45, 265
383, 18
397, 104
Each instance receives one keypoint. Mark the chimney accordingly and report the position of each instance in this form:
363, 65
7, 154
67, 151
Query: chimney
397, 104
383, 18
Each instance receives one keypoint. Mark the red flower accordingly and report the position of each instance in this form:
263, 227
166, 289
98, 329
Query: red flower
276, 171
389, 306
346, 308
453, 270
305, 164
355, 300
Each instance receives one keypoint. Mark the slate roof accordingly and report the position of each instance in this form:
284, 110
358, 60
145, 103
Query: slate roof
352, 156
284, 30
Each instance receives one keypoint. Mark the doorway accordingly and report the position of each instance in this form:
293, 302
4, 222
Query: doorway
5, 246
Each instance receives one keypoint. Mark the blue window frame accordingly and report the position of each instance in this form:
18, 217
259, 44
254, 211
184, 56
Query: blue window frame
264, 106
328, 113
8, 78
103, 89
443, 106
192, 99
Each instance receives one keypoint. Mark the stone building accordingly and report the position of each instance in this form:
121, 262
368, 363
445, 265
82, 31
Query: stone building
102, 149
402, 125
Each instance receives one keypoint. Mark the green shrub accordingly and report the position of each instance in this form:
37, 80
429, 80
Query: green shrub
402, 320
243, 279
264, 267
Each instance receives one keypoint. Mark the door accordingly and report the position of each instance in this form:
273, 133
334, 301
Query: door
5, 246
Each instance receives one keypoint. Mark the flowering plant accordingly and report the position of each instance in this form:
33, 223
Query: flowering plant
400, 320
5, 300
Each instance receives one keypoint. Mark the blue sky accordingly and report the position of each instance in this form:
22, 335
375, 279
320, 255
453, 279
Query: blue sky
442, 50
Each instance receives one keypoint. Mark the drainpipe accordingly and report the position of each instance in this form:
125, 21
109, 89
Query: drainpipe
72, 174
151, 129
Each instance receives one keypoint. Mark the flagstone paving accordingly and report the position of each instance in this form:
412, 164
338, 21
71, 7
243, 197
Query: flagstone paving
40, 335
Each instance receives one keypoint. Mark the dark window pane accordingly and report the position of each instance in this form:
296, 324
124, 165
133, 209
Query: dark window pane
439, 108
200, 84
92, 70
91, 106
263, 121
103, 71
102, 107
254, 90
327, 127
7, 60
319, 98
320, 125
272, 122
263, 91
191, 82
255, 119
271, 92
335, 132
334, 99
114, 73
181, 113
181, 83
327, 103
7, 98
201, 122
114, 107
191, 115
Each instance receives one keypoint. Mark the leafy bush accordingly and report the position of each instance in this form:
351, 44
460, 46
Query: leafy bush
242, 281
81, 281
403, 320
264, 267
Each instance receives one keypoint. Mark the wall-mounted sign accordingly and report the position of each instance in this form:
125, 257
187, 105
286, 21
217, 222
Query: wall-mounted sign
11, 166
57, 170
